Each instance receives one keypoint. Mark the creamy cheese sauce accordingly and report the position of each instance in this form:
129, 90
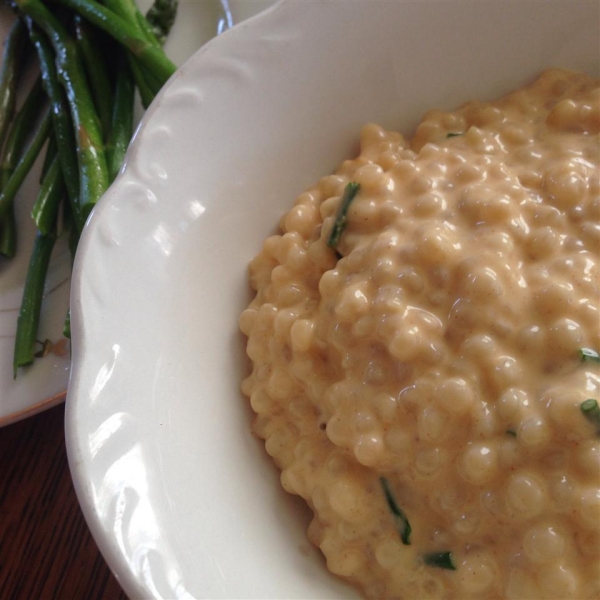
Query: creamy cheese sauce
429, 371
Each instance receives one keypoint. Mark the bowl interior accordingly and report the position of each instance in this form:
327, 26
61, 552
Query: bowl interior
180, 497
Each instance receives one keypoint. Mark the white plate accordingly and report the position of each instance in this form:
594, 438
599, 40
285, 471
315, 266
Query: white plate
43, 384
179, 495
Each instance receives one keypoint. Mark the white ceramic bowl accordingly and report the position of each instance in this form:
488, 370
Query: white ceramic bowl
180, 497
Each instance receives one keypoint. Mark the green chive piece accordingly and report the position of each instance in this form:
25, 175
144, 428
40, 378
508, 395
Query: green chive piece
402, 525
511, 432
442, 560
591, 411
454, 134
339, 224
589, 354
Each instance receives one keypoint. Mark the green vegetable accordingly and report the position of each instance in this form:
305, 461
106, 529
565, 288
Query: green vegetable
147, 84
90, 81
29, 315
21, 128
70, 227
161, 17
591, 411
511, 432
50, 154
130, 12
402, 525
96, 69
8, 234
452, 134
45, 208
9, 74
442, 560
149, 54
121, 128
589, 354
24, 166
64, 135
93, 173
147, 91
339, 224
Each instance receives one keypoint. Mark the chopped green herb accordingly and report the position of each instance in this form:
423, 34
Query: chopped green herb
589, 354
442, 560
339, 224
511, 432
455, 134
591, 411
400, 520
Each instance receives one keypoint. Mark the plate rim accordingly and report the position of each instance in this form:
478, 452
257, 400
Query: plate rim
34, 409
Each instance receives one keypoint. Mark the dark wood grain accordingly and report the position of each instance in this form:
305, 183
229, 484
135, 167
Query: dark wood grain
46, 549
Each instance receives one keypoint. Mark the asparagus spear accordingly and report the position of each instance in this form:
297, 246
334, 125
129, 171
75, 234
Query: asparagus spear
96, 69
29, 315
122, 119
147, 84
45, 214
50, 154
24, 166
161, 17
129, 10
147, 92
8, 234
64, 135
93, 173
149, 55
13, 47
76, 159
19, 132
46, 205
21, 129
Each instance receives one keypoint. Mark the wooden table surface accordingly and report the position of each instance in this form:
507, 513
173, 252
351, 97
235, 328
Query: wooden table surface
46, 549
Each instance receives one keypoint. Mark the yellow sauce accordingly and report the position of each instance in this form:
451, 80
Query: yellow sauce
440, 354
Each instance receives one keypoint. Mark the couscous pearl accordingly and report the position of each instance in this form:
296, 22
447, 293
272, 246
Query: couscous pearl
478, 463
543, 543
